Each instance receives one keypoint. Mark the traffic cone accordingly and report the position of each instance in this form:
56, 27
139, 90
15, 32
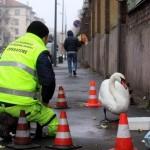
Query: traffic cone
22, 138
61, 100
123, 140
63, 140
92, 101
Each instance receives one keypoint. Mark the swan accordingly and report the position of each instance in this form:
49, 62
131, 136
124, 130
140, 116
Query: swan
114, 94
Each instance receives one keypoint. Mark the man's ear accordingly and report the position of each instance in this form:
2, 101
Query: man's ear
45, 39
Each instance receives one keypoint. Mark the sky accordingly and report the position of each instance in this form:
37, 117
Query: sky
45, 9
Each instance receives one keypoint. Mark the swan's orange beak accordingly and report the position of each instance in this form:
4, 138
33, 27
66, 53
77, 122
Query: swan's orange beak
124, 83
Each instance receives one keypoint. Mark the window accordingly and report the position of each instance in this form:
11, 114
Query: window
6, 21
16, 22
7, 12
16, 31
17, 12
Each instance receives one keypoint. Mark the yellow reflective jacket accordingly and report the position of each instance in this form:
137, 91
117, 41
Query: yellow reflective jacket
18, 80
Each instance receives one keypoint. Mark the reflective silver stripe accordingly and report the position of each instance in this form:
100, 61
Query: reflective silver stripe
22, 120
23, 133
17, 92
63, 135
63, 121
92, 96
20, 65
123, 131
92, 88
61, 100
61, 92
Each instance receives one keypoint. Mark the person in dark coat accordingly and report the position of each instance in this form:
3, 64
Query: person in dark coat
71, 45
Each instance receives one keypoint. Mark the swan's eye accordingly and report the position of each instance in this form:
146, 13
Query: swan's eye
123, 82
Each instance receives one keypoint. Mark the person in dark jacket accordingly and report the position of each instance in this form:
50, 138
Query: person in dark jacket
71, 45
28, 61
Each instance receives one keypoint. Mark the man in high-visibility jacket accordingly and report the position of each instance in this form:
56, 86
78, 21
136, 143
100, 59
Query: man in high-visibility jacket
25, 67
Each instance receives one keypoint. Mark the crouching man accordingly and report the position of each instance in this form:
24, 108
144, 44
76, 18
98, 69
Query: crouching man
25, 68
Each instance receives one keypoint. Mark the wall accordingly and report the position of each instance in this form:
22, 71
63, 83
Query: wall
125, 47
113, 51
138, 48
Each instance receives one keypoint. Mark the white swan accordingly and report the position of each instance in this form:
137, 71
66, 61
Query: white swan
114, 94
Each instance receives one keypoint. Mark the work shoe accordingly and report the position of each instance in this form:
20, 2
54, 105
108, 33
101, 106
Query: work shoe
7, 126
41, 132
45, 132
74, 73
4, 133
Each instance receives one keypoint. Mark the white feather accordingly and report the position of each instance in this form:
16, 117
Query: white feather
113, 95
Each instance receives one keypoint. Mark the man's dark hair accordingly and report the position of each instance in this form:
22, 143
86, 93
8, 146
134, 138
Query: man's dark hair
70, 33
38, 28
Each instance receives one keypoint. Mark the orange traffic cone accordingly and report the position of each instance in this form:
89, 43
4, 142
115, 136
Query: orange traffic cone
123, 140
61, 101
92, 101
22, 138
63, 138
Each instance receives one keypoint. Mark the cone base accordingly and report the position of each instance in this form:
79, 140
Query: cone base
63, 147
88, 104
57, 107
29, 146
115, 148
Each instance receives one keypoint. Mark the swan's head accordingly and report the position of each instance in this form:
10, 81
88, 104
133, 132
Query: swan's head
120, 78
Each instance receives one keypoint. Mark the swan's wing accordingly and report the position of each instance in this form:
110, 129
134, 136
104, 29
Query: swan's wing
103, 90
123, 98
124, 92
104, 95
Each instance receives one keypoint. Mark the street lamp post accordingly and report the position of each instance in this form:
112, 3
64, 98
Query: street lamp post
63, 51
62, 20
55, 35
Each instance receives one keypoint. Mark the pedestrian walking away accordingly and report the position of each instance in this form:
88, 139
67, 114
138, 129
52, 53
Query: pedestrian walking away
71, 46
32, 81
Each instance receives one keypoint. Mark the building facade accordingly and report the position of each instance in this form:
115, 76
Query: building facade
14, 19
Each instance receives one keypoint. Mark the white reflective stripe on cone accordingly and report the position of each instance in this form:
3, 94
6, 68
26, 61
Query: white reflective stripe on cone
63, 121
61, 92
22, 120
22, 133
61, 99
92, 87
63, 135
92, 96
123, 131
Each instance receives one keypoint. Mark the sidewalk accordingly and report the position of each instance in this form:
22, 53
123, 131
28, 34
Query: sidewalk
83, 121
76, 87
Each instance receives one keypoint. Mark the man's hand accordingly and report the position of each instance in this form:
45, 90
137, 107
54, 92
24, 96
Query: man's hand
47, 105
